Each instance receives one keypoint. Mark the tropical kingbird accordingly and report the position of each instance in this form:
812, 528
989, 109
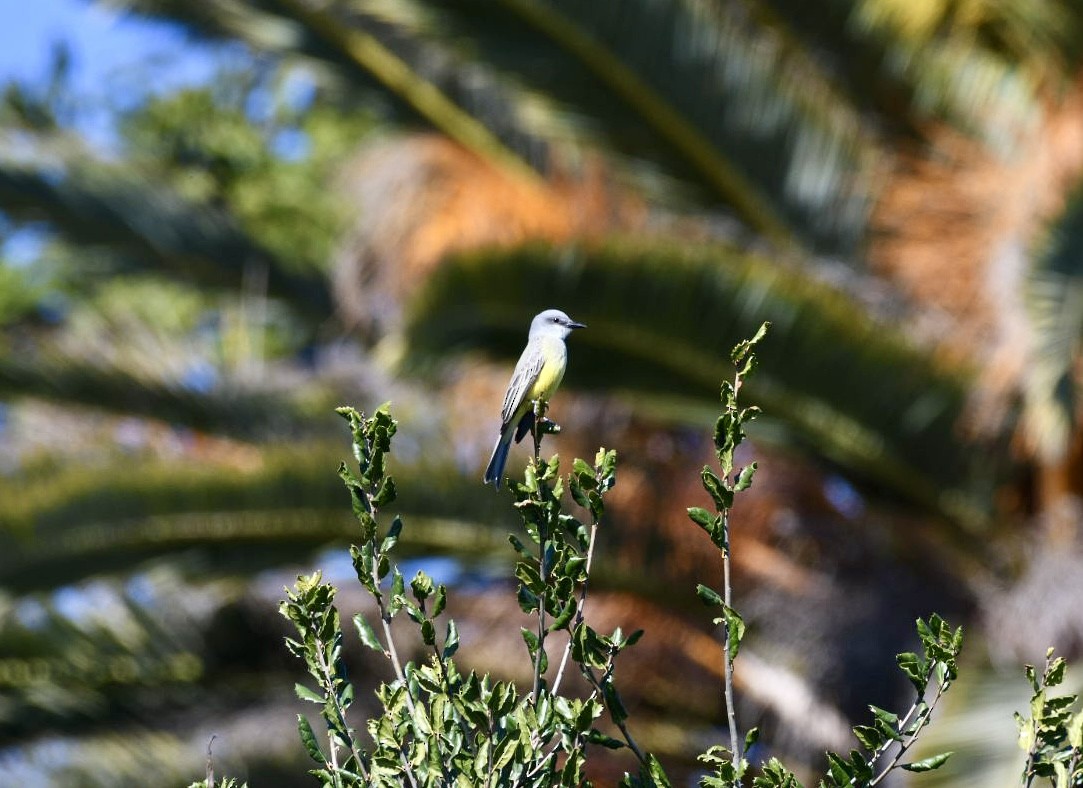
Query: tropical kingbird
537, 375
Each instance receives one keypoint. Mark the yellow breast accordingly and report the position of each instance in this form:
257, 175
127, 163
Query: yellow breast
555, 356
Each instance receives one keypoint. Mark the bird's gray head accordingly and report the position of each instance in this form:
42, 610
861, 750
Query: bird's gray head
553, 323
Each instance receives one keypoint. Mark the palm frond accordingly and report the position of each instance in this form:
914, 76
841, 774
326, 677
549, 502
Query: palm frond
722, 96
732, 102
95, 204
467, 101
662, 318
85, 521
1054, 300
981, 66
226, 411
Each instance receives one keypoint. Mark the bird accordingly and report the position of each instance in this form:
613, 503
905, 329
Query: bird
537, 375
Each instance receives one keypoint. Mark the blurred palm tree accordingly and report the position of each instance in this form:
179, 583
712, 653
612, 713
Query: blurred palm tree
672, 173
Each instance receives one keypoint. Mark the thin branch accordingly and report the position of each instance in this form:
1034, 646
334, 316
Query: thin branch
731, 713
727, 598
921, 721
578, 610
597, 684
535, 431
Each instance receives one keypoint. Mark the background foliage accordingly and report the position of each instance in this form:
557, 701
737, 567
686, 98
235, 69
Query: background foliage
368, 200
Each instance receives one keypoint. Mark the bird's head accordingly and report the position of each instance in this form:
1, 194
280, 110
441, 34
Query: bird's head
553, 322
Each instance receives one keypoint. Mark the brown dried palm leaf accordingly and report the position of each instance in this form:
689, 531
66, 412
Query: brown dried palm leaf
419, 198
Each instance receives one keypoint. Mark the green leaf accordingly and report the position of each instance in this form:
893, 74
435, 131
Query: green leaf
614, 703
744, 478
888, 717
392, 537
428, 632
451, 639
564, 617
574, 566
601, 739
421, 586
751, 738
1055, 674
531, 640
714, 486
742, 349
579, 495
870, 737
916, 669
439, 601
701, 517
657, 773
928, 764
708, 596
735, 627
304, 693
386, 494
398, 588
308, 739
367, 633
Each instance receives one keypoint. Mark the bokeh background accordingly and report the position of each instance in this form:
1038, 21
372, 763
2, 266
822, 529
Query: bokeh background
220, 219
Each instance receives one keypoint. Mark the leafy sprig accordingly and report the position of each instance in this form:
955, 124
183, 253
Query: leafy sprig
1052, 736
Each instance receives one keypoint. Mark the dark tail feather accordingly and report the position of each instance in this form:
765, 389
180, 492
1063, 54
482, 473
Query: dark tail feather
495, 472
526, 424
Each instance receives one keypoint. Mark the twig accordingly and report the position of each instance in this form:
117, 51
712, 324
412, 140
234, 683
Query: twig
731, 714
727, 598
597, 684
578, 610
210, 761
540, 407
921, 721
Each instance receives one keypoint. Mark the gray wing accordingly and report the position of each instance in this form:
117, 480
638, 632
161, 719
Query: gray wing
526, 372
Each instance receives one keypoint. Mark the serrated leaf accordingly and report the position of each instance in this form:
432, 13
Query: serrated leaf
304, 693
1055, 675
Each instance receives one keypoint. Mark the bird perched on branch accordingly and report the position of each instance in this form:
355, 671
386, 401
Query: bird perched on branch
537, 375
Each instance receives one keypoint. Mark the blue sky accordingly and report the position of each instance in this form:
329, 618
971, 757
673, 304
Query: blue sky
106, 46
102, 39
104, 42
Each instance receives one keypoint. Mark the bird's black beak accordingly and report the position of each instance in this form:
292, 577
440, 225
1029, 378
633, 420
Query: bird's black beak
573, 324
